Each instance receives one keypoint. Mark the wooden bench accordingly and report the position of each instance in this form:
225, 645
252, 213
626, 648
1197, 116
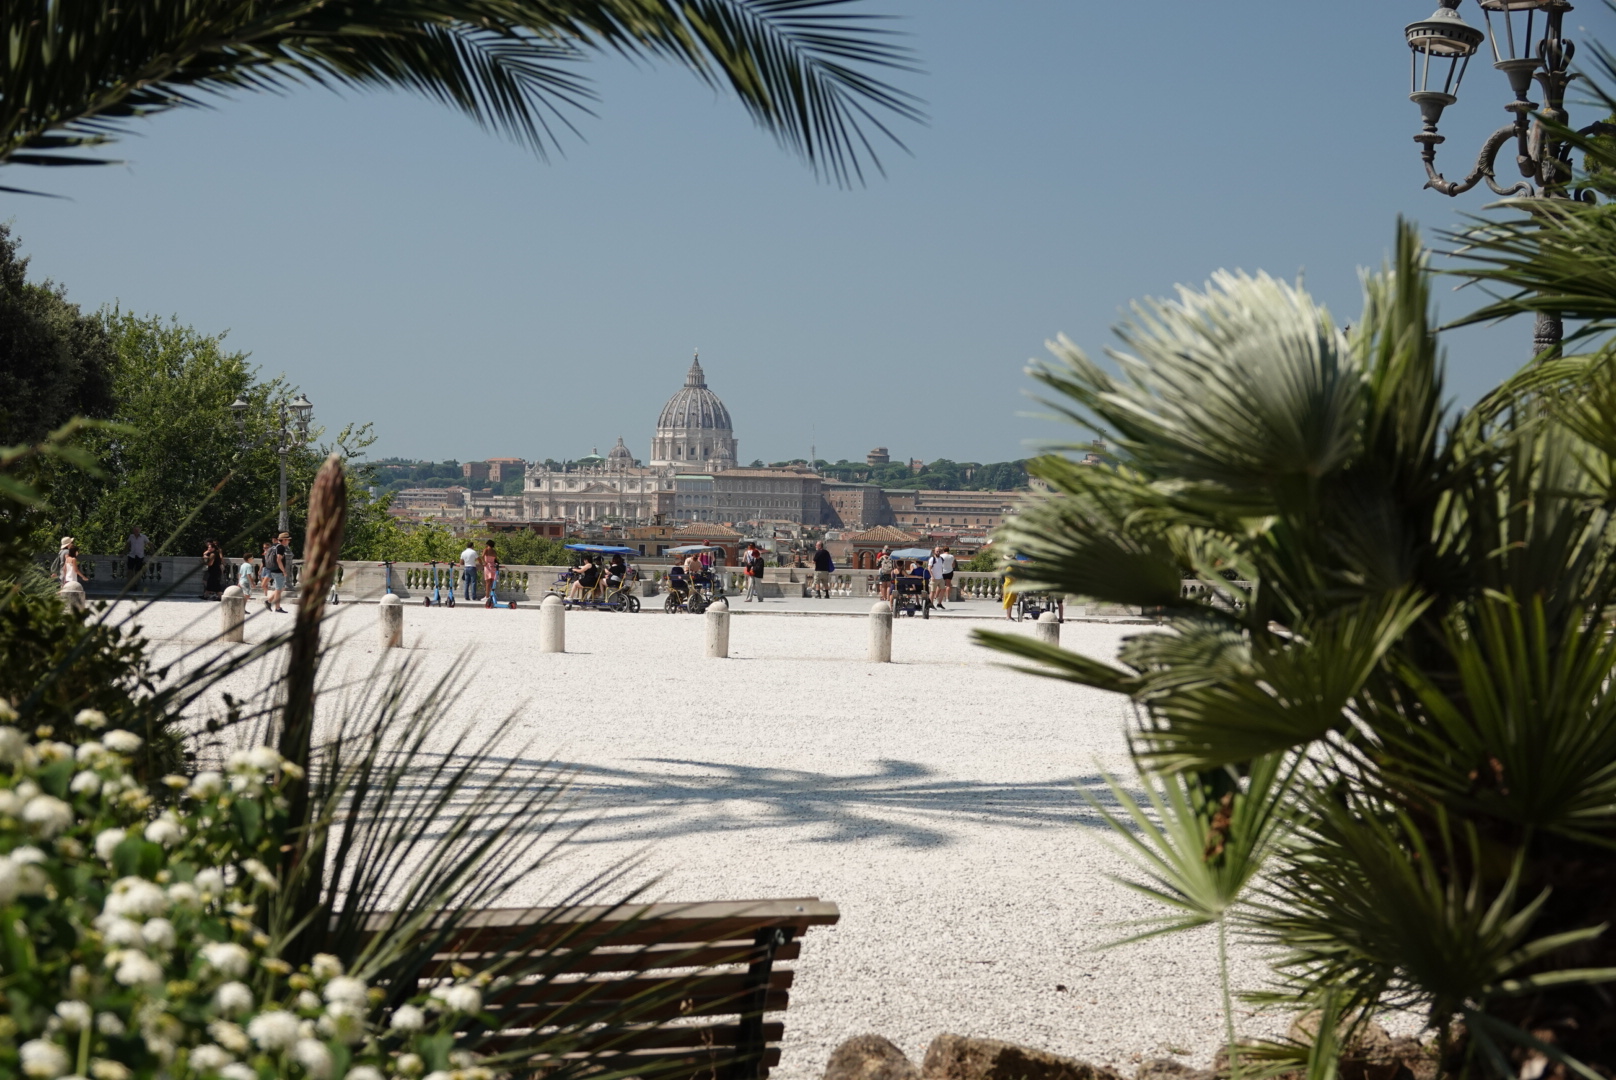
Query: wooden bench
662, 991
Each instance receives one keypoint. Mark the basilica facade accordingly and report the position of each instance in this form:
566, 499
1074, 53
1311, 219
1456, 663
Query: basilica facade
693, 475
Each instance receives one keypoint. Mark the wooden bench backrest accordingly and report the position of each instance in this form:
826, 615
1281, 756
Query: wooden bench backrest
664, 991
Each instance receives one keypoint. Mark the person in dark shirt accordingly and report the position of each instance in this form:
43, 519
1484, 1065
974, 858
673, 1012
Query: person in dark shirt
823, 568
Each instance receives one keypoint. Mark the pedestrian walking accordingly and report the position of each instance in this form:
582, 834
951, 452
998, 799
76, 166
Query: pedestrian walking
824, 567
247, 575
60, 559
752, 562
942, 576
280, 566
134, 559
263, 573
212, 571
70, 563
468, 570
490, 561
883, 576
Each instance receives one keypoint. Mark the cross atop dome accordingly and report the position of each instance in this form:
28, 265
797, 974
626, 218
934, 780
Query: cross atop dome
695, 377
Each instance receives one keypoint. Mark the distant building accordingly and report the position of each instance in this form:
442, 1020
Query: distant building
852, 506
865, 506
596, 488
878, 456
474, 470
501, 469
784, 495
420, 504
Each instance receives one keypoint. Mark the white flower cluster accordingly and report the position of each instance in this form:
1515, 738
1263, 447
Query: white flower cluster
166, 928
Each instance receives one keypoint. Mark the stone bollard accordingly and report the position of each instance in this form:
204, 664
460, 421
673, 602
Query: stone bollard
718, 631
73, 596
881, 634
392, 621
1047, 628
552, 625
232, 614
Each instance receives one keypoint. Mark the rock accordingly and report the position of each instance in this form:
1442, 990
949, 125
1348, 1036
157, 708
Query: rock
1168, 1069
1372, 1054
955, 1057
870, 1057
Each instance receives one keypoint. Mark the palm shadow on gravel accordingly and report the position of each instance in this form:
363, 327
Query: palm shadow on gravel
901, 802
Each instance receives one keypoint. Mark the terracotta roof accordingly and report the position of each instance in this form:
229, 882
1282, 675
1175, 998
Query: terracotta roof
709, 530
882, 534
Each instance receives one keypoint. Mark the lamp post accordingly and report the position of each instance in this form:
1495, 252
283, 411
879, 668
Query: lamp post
1527, 46
291, 431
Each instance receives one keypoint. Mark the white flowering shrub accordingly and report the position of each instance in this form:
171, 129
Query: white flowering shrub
128, 941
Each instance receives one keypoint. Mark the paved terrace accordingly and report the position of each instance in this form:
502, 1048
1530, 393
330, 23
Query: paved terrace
937, 799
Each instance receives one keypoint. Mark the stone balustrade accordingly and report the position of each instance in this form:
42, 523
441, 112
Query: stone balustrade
367, 582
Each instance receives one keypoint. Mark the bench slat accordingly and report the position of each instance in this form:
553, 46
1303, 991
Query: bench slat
662, 1037
640, 957
633, 924
547, 1012
702, 988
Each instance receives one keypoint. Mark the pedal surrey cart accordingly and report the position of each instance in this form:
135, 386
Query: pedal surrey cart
604, 592
696, 593
911, 595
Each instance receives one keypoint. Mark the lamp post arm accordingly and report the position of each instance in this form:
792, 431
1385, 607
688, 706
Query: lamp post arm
1483, 169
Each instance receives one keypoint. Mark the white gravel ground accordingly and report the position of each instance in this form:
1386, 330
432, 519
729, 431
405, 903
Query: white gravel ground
936, 800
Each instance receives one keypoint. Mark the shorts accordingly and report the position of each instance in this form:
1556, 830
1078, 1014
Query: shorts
821, 577
949, 576
277, 581
884, 578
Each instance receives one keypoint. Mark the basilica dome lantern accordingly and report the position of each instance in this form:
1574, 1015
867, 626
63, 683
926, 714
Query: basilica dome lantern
694, 433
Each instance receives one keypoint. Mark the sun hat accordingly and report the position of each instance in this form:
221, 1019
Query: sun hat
67, 542
284, 536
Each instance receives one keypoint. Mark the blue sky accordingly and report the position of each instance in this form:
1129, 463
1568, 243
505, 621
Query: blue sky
406, 268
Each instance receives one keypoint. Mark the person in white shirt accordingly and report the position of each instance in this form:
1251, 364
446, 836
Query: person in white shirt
468, 570
942, 576
135, 559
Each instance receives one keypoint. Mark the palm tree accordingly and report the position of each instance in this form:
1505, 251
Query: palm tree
77, 71
1404, 604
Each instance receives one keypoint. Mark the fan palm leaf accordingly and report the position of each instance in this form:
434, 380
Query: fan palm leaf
77, 72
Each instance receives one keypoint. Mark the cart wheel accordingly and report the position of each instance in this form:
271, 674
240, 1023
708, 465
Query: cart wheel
633, 605
697, 605
671, 604
925, 608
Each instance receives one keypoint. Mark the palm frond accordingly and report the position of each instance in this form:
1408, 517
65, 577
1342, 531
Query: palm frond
76, 73
1203, 841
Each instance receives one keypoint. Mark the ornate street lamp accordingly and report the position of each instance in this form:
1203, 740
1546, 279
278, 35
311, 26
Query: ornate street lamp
1527, 45
290, 432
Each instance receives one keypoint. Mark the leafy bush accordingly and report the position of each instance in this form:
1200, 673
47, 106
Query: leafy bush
129, 934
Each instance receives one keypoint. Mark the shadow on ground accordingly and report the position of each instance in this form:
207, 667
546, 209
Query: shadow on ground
899, 802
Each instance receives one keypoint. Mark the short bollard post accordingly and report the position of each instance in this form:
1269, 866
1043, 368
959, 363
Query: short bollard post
73, 596
232, 614
881, 634
718, 631
552, 625
1047, 628
392, 622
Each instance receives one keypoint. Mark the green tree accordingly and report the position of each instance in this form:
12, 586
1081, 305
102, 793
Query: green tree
177, 467
1402, 602
75, 74
55, 361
